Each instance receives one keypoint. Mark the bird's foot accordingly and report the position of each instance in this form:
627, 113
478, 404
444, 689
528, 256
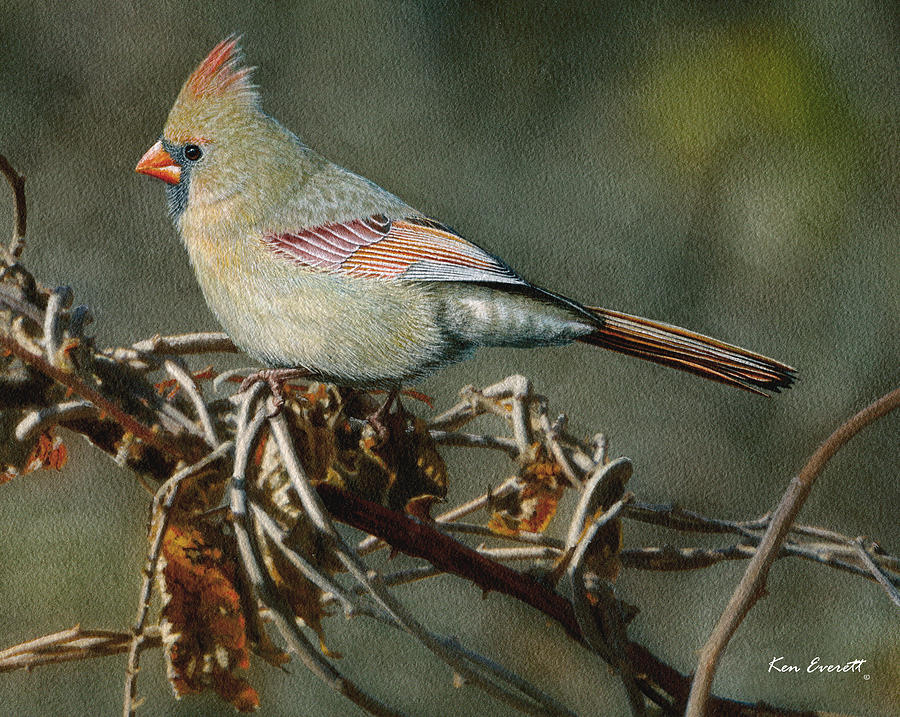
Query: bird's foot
377, 419
275, 378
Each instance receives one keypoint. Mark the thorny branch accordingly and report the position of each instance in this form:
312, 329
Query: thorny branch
277, 490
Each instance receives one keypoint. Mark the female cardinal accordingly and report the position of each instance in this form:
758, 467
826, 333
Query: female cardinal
316, 271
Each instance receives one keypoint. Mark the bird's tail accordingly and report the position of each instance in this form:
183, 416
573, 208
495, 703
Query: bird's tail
689, 351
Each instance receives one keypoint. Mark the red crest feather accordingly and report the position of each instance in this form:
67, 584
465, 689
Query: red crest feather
220, 73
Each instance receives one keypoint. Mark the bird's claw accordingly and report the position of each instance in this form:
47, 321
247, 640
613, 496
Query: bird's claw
378, 419
275, 379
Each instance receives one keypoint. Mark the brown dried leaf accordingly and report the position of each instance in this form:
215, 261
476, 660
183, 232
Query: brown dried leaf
47, 453
602, 557
534, 505
302, 595
204, 629
336, 444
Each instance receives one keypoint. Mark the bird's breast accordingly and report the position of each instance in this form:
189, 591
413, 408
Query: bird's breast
349, 330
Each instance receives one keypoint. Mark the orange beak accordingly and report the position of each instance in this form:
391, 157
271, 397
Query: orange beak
157, 163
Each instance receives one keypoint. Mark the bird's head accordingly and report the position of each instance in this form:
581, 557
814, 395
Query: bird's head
204, 153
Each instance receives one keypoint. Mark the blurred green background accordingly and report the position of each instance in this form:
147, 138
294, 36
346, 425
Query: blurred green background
728, 167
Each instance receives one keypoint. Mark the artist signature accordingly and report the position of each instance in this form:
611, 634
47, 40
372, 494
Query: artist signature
816, 666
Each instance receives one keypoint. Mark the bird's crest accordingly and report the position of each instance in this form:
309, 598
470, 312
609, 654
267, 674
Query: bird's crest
221, 72
215, 97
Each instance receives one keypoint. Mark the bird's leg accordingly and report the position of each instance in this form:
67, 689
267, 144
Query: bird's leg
376, 420
275, 378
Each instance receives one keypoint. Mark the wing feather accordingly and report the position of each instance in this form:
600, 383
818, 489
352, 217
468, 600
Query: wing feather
415, 249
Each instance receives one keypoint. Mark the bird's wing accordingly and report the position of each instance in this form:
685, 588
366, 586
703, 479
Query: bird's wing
376, 247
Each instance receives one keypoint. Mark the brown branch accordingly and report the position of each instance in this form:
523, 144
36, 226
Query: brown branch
70, 380
752, 585
422, 541
20, 213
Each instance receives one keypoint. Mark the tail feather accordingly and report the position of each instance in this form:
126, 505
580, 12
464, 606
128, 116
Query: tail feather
689, 351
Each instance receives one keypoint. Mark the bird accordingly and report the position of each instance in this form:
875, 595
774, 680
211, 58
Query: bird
316, 272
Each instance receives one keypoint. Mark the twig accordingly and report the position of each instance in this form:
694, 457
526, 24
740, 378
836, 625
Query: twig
70, 380
520, 537
508, 487
184, 344
316, 512
476, 403
521, 393
668, 558
252, 562
162, 505
752, 585
674, 516
863, 553
401, 577
36, 422
601, 448
538, 552
307, 569
166, 410
189, 385
14, 299
601, 487
59, 300
551, 442
79, 318
475, 440
20, 208
144, 355
677, 518
498, 671
72, 644
609, 643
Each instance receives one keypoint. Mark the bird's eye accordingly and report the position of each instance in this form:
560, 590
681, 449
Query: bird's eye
193, 152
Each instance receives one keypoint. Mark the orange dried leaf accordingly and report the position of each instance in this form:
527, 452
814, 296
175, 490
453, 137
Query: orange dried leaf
204, 627
205, 374
536, 502
170, 385
48, 452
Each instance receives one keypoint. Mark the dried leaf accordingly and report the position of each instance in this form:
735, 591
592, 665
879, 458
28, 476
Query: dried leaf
532, 508
602, 557
48, 453
336, 443
203, 624
302, 595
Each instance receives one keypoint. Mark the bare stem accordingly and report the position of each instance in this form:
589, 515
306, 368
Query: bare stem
752, 585
162, 506
885, 582
17, 184
75, 643
70, 380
